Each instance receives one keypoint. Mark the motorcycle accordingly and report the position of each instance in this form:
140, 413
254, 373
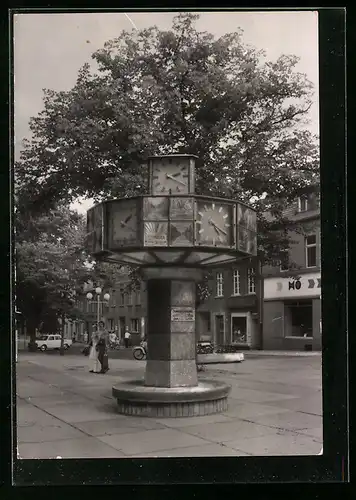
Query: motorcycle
205, 347
140, 352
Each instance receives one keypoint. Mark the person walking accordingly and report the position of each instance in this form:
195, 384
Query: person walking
102, 348
93, 354
127, 337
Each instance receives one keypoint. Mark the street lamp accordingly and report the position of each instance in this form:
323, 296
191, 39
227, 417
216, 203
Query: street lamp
97, 301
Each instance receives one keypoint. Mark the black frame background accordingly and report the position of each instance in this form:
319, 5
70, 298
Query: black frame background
333, 466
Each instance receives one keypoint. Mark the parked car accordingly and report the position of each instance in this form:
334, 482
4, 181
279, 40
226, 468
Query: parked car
45, 342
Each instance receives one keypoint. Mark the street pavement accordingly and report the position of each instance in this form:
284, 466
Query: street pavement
275, 408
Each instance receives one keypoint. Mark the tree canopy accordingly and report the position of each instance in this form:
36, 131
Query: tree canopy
176, 91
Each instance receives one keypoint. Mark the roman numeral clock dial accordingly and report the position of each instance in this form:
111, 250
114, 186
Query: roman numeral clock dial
169, 178
214, 224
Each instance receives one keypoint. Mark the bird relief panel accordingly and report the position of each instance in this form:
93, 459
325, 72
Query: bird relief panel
155, 208
181, 208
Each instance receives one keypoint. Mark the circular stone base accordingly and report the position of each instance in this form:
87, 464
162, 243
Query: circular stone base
134, 398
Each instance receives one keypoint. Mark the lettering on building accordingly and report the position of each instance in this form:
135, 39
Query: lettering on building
294, 285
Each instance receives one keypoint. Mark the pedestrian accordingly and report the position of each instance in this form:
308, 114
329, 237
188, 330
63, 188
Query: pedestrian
102, 347
86, 337
93, 355
103, 353
127, 337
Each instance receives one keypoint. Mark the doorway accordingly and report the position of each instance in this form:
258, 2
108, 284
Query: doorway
122, 323
240, 328
219, 329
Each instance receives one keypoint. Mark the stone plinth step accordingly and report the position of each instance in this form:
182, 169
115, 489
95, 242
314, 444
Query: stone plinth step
134, 398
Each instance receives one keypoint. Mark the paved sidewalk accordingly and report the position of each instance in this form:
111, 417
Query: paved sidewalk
64, 411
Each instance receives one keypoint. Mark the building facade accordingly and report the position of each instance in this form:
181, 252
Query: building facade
230, 316
292, 298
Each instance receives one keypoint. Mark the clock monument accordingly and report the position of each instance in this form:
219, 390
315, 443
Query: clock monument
171, 234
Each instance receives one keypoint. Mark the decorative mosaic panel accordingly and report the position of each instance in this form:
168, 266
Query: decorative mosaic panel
181, 208
246, 241
155, 234
155, 208
94, 239
246, 218
181, 233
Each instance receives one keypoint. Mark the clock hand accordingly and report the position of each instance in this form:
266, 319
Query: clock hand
217, 227
177, 180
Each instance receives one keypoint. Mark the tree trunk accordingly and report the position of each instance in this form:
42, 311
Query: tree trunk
61, 349
31, 329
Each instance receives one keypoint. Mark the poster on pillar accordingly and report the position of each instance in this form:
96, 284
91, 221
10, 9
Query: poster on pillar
179, 314
183, 293
94, 239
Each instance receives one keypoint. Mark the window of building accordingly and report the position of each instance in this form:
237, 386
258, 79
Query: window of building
113, 298
310, 250
236, 282
284, 263
138, 296
129, 297
303, 204
251, 281
219, 284
134, 325
298, 317
121, 297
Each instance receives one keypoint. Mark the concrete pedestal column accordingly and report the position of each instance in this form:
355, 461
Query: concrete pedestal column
171, 334
171, 358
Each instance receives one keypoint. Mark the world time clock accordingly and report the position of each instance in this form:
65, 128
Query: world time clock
170, 176
214, 224
124, 223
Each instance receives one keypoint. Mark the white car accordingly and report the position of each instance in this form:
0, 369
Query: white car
52, 342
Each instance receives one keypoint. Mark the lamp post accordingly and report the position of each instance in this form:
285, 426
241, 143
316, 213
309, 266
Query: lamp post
97, 301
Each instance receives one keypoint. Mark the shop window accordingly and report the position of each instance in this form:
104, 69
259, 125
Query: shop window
239, 329
298, 318
310, 250
236, 282
251, 281
219, 284
134, 325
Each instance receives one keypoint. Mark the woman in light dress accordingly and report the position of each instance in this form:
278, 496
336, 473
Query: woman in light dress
95, 366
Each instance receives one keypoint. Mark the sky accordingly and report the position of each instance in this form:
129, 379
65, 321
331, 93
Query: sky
50, 48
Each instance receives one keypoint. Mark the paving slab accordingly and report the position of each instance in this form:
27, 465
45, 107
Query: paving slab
151, 441
290, 420
224, 432
255, 396
119, 425
293, 444
87, 447
81, 412
206, 450
52, 430
188, 421
247, 409
316, 433
310, 404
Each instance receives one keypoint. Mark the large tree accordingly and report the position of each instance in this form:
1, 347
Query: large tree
52, 267
177, 91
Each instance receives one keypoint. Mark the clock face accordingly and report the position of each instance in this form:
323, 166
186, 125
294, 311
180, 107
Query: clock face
124, 223
170, 177
214, 224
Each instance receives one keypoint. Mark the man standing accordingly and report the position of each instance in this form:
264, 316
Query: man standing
102, 348
127, 337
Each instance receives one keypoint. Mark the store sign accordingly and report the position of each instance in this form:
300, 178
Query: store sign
182, 314
308, 285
